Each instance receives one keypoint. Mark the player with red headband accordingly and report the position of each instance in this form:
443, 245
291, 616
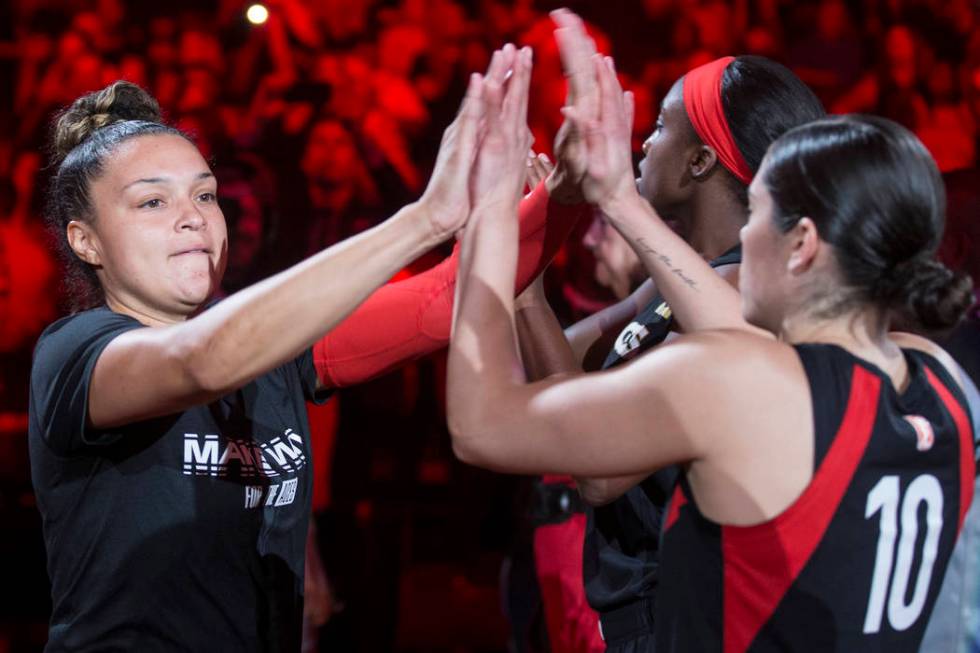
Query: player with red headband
826, 467
712, 132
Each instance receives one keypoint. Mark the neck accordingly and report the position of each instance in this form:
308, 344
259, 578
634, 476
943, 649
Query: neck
715, 219
862, 332
145, 315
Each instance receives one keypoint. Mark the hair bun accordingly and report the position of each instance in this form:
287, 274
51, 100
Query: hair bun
115, 103
935, 297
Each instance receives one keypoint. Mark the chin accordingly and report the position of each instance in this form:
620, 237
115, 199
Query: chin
197, 292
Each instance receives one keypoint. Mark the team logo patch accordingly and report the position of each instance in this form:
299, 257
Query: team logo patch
629, 339
924, 436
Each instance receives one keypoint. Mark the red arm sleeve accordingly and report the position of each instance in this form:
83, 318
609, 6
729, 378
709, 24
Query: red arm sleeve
408, 319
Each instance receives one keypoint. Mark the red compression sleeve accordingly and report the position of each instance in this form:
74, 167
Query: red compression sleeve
407, 319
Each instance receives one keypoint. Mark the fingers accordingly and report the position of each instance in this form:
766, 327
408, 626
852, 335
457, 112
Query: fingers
501, 63
471, 112
576, 49
518, 89
539, 166
611, 106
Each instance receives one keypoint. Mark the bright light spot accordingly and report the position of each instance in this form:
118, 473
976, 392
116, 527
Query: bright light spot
257, 14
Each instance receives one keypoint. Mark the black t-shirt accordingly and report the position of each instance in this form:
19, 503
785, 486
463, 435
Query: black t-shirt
185, 532
621, 556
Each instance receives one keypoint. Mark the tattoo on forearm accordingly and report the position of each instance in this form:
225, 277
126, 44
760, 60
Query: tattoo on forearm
663, 258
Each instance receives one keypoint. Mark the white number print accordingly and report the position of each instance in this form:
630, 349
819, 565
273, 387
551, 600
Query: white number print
884, 498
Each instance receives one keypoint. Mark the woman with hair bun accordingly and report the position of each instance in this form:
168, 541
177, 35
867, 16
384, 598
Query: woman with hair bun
824, 473
712, 132
168, 435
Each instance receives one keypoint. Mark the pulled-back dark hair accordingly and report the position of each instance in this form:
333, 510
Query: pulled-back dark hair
83, 135
876, 195
762, 100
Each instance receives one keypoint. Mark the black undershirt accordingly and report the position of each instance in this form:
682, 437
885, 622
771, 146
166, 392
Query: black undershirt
621, 554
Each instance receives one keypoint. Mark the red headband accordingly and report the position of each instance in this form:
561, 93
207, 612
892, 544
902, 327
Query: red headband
702, 99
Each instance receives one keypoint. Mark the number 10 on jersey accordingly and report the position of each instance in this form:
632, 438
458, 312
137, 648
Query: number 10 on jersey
885, 498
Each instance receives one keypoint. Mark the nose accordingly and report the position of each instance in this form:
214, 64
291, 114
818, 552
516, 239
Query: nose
190, 218
645, 148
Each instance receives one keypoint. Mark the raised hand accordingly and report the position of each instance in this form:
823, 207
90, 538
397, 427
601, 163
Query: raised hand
608, 171
500, 169
576, 49
446, 200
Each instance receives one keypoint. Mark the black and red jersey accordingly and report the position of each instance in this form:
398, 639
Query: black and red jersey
856, 562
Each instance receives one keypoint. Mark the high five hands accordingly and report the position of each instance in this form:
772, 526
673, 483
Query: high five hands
481, 159
593, 145
500, 170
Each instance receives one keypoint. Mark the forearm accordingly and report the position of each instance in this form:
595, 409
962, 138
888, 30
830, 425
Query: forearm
591, 338
483, 357
543, 346
266, 324
697, 296
411, 318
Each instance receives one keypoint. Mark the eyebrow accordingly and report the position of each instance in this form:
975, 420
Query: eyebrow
159, 180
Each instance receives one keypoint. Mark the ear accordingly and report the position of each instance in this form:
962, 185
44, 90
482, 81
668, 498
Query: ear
703, 161
83, 241
805, 245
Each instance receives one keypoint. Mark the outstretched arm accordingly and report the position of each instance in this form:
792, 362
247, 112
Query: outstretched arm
408, 319
157, 371
499, 421
698, 297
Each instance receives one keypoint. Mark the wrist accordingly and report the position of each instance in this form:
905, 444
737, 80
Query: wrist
495, 206
624, 204
423, 216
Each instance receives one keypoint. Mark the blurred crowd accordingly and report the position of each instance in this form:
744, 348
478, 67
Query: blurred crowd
326, 118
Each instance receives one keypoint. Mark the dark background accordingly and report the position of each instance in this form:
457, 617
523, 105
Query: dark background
325, 120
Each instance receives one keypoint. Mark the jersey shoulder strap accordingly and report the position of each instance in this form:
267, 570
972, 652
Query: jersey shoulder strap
829, 370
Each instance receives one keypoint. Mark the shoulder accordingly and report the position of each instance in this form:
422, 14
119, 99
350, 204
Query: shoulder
926, 346
730, 345
725, 362
79, 324
75, 333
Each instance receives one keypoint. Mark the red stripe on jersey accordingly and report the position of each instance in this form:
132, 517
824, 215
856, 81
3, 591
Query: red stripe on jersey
761, 562
677, 501
967, 463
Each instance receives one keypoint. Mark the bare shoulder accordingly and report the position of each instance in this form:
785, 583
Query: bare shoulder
737, 359
919, 343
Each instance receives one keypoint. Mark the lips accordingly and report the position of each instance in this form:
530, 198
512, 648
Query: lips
192, 250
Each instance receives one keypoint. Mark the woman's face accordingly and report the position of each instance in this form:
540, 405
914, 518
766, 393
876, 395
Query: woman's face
158, 239
664, 178
764, 260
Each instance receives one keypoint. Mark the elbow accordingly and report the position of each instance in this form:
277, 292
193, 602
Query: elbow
471, 436
464, 439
